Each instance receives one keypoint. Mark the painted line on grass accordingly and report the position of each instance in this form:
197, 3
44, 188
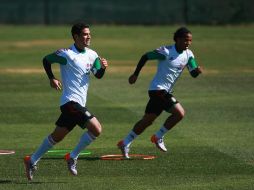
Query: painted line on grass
132, 157
5, 152
62, 152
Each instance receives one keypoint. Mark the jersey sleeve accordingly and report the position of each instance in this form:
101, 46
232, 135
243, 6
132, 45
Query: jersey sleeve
96, 66
57, 57
163, 50
155, 55
191, 64
152, 55
97, 70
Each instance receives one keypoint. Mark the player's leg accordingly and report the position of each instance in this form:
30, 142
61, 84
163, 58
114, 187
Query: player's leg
93, 130
30, 161
56, 136
59, 133
138, 128
153, 109
94, 127
85, 120
65, 123
145, 122
177, 114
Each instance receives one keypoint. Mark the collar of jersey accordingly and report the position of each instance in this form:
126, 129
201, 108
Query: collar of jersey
79, 50
177, 51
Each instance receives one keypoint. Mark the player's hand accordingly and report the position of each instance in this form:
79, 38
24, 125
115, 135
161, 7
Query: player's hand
56, 84
104, 63
199, 69
132, 79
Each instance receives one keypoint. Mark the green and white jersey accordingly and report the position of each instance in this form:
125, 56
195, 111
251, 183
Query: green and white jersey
75, 68
170, 68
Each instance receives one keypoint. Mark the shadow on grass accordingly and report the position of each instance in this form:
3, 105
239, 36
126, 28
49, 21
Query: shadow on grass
3, 181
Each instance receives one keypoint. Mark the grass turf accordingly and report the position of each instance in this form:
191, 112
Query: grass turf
212, 148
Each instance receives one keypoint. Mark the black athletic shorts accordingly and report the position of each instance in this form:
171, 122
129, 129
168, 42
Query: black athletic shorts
160, 100
73, 114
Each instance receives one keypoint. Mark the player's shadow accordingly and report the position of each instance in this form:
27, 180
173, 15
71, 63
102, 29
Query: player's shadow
3, 181
90, 158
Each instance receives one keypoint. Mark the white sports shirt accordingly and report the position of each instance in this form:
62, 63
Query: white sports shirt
76, 74
169, 69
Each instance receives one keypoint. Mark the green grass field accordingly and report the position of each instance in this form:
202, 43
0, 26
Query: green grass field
211, 149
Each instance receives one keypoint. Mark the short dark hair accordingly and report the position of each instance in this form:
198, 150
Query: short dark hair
181, 32
77, 28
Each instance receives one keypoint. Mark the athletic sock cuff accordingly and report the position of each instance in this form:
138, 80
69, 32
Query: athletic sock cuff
132, 133
91, 136
51, 140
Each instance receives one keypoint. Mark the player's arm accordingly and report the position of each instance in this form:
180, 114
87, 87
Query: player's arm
193, 67
99, 67
153, 55
47, 61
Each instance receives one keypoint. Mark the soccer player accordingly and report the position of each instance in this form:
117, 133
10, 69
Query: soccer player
172, 60
76, 64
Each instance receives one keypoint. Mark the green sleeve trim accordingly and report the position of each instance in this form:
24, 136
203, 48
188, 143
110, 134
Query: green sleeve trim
53, 58
153, 55
97, 63
192, 63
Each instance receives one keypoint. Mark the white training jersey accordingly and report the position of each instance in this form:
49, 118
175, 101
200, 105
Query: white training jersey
76, 74
169, 69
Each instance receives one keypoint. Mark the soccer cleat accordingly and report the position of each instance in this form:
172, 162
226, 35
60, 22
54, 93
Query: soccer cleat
29, 167
124, 149
71, 164
159, 143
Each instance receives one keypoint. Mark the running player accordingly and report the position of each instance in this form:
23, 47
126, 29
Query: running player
171, 62
76, 64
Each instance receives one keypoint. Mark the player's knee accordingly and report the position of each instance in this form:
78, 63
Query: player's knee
98, 131
95, 129
180, 114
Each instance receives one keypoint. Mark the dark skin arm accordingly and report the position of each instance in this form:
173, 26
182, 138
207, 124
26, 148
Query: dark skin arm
196, 72
153, 55
141, 63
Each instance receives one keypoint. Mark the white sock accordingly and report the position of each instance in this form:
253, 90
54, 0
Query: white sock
47, 144
129, 138
84, 141
161, 132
